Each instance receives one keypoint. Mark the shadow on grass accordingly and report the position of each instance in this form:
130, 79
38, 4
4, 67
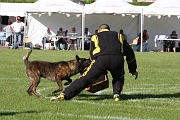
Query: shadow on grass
8, 113
144, 96
93, 97
126, 97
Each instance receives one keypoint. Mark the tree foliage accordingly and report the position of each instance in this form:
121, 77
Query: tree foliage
85, 1
19, 1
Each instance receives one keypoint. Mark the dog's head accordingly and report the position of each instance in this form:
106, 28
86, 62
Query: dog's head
83, 63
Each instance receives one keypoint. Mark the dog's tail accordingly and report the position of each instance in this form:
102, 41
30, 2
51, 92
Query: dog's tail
25, 58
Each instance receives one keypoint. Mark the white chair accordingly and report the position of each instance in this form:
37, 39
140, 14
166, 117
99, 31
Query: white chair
27, 42
134, 43
159, 43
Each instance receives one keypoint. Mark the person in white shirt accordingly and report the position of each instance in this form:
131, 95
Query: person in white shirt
7, 29
47, 37
17, 28
73, 40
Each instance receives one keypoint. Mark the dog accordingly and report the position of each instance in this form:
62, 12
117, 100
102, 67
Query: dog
54, 71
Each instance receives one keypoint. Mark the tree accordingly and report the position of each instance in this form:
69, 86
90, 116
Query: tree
84, 1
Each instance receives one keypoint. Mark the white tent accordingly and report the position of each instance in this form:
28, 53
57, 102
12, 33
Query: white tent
11, 10
14, 9
66, 6
111, 6
53, 14
118, 14
163, 7
161, 18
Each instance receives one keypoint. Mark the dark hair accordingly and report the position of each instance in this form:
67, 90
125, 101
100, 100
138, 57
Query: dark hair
104, 26
120, 31
174, 32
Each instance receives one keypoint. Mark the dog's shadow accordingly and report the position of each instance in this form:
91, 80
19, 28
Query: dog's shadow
8, 113
125, 96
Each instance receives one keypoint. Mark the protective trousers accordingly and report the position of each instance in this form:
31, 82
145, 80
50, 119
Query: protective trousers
112, 63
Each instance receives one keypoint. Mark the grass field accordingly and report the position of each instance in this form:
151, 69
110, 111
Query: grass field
155, 95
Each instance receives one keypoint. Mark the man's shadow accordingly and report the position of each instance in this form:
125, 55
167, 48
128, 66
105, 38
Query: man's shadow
9, 113
125, 96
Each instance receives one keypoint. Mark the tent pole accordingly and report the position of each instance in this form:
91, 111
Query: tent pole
83, 24
142, 26
25, 29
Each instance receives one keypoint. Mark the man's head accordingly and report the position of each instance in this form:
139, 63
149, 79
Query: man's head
48, 30
18, 18
73, 29
103, 26
86, 29
145, 31
121, 31
60, 29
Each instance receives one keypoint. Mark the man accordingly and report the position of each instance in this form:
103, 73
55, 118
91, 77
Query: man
17, 28
61, 40
107, 52
87, 36
124, 35
47, 37
73, 40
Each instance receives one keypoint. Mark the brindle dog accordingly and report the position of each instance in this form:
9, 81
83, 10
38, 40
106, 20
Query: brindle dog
54, 71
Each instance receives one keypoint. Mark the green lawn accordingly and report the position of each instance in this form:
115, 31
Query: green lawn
155, 95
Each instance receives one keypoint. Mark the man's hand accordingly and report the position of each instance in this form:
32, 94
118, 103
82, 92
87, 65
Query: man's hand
136, 75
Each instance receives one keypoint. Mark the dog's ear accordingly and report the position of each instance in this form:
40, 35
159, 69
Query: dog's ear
77, 57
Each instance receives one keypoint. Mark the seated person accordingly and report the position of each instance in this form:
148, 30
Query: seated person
144, 41
170, 43
47, 37
61, 40
72, 40
87, 39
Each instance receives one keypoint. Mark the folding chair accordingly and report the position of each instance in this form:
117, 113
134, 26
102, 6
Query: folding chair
27, 42
134, 43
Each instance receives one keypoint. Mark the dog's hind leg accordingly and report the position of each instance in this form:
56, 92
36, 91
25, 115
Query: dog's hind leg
59, 82
35, 83
34, 89
29, 91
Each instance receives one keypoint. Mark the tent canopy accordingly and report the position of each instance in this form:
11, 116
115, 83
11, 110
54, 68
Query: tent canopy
163, 7
111, 6
53, 14
118, 14
14, 9
161, 18
39, 18
55, 6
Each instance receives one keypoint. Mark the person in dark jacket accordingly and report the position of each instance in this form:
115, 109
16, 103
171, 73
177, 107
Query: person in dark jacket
107, 51
171, 43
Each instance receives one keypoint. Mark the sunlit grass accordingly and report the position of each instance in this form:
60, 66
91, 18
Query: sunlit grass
155, 95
